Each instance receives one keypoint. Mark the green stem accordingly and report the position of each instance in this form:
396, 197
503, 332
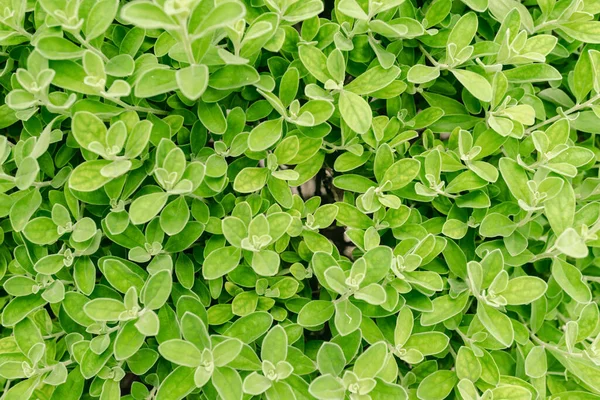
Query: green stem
20, 30
451, 350
544, 25
592, 278
526, 219
448, 195
435, 62
343, 297
547, 254
137, 108
13, 179
54, 335
545, 345
567, 112
88, 46
185, 41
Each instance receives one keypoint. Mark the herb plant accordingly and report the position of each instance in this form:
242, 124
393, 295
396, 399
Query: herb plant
299, 199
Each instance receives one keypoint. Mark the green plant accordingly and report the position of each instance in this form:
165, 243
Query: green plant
299, 199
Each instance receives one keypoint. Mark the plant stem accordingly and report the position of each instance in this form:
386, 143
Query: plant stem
137, 108
185, 41
526, 219
88, 46
12, 179
567, 112
592, 278
433, 60
546, 345
54, 335
547, 254
19, 30
543, 25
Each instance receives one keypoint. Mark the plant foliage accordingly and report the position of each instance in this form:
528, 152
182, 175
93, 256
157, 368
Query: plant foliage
299, 199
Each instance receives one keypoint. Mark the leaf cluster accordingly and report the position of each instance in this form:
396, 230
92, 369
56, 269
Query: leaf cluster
299, 199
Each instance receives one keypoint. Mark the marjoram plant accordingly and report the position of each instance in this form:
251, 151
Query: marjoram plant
299, 199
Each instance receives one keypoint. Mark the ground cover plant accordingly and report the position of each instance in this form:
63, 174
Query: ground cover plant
281, 199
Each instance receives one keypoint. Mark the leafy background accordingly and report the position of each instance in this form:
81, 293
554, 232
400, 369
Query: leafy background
280, 199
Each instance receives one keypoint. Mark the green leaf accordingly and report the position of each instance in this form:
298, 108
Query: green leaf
315, 313
146, 207
315, 62
72, 389
20, 307
467, 364
249, 328
192, 81
50, 264
533, 73
444, 307
560, 209
178, 384
354, 183
27, 173
104, 309
157, 289
233, 77
585, 31
401, 173
220, 262
155, 82
369, 363
265, 262
23, 389
331, 359
496, 224
57, 48
255, 384
250, 180
274, 346
128, 341
224, 14
463, 31
347, 317
226, 351
326, 387
355, 111
422, 74
572, 244
175, 216
147, 15
265, 135
524, 290
476, 84
228, 383
101, 16
120, 275
22, 209
570, 280
536, 363
516, 179
428, 343
87, 177
180, 352
496, 323
437, 386
372, 80
42, 231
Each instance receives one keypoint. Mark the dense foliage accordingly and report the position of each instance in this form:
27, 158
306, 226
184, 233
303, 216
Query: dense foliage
296, 199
